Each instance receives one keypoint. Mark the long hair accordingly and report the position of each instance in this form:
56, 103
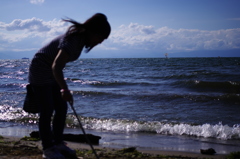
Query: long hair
75, 28
97, 24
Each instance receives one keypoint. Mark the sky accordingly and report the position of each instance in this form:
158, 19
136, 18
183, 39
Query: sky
139, 28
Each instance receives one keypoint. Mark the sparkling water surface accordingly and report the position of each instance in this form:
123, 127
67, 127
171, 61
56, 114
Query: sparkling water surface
188, 97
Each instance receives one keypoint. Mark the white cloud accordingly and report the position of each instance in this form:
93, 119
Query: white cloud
24, 33
141, 28
34, 33
31, 25
36, 1
149, 38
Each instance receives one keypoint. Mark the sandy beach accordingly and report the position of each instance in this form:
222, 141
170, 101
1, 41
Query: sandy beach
25, 148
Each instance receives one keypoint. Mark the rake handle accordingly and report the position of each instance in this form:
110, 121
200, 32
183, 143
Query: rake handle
89, 142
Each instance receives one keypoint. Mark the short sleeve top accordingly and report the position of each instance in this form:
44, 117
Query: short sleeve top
40, 70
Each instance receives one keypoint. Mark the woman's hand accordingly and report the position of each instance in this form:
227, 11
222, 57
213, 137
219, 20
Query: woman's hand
67, 96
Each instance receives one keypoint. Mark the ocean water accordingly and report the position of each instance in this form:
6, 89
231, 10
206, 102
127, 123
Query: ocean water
139, 98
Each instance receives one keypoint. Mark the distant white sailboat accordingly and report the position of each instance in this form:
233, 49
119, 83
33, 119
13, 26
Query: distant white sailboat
166, 55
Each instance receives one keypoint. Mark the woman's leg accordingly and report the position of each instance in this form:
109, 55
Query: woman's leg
60, 107
44, 97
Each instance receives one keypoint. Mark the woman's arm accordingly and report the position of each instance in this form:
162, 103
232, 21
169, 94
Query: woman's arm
57, 67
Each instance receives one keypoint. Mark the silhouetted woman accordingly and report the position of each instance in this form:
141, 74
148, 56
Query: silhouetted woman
47, 79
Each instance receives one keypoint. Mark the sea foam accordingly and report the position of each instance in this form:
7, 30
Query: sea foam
219, 131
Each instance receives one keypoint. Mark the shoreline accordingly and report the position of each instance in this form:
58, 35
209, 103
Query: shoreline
32, 149
143, 141
113, 142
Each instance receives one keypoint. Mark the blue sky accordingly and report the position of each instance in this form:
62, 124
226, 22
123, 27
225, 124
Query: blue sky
140, 28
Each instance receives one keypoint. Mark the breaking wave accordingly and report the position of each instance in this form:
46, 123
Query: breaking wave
219, 131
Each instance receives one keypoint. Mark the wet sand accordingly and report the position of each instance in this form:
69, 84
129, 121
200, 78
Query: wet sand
18, 148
